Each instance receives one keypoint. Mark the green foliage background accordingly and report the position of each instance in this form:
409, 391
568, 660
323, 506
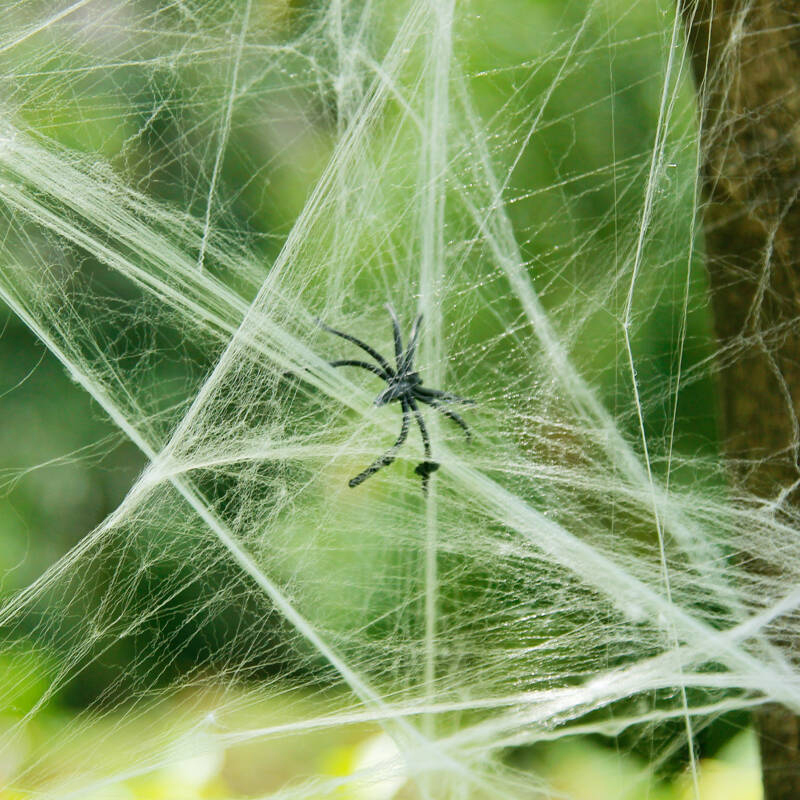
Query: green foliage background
64, 467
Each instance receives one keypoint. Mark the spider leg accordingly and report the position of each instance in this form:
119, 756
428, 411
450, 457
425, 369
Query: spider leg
426, 395
450, 415
349, 362
408, 357
428, 466
426, 441
398, 337
363, 345
346, 362
389, 455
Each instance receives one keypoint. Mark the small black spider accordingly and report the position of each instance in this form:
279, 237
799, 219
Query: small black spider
405, 386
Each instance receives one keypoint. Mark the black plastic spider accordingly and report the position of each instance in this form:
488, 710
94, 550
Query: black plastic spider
404, 386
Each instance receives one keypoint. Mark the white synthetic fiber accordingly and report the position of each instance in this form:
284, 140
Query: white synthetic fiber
188, 189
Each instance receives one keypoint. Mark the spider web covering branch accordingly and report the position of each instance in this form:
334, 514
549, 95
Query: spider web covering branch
187, 188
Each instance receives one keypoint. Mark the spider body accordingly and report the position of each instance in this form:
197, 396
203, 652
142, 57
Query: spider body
398, 388
403, 385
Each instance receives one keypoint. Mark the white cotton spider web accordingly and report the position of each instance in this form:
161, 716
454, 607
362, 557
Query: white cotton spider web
571, 572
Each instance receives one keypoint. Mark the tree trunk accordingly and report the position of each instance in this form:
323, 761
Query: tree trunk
746, 60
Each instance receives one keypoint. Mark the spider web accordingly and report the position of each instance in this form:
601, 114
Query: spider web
187, 190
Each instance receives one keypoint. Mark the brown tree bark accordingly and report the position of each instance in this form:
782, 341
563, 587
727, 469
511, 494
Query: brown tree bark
746, 60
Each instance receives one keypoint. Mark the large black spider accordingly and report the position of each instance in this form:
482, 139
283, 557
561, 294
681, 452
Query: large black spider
404, 385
